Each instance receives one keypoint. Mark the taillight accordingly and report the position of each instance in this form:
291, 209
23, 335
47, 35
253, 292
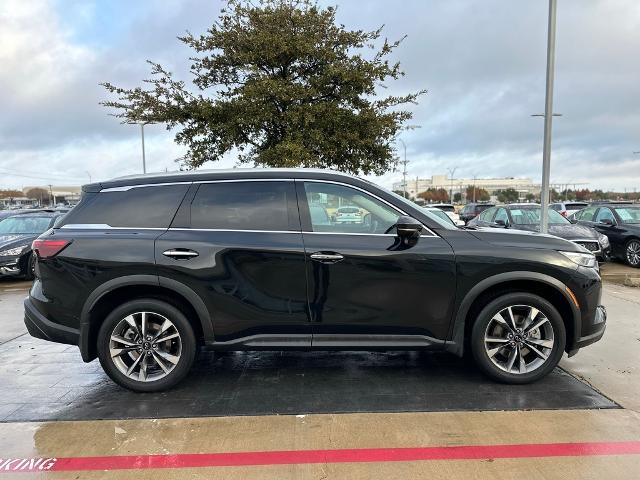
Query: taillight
48, 248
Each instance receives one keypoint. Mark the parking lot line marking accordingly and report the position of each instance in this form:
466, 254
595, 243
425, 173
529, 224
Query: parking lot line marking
291, 457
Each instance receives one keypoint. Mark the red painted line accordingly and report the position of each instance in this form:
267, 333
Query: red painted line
360, 455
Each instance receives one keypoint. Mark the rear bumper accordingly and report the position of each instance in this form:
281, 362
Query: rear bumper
41, 327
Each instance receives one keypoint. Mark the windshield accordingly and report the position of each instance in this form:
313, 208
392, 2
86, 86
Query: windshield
629, 214
531, 216
441, 215
24, 225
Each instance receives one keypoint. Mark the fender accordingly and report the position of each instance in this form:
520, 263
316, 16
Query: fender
456, 343
193, 298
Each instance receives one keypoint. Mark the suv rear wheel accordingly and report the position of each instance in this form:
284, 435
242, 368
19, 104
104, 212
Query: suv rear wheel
146, 345
518, 338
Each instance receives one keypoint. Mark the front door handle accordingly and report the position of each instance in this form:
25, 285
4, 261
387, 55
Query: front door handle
326, 257
180, 253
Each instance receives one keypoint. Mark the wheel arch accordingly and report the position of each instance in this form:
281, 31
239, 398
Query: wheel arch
119, 290
492, 287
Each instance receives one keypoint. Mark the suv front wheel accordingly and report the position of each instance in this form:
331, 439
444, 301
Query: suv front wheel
146, 345
518, 338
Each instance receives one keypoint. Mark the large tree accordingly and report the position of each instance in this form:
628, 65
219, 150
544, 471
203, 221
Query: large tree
284, 84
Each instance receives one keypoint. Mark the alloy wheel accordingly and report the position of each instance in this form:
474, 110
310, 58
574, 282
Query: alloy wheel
145, 346
519, 339
633, 253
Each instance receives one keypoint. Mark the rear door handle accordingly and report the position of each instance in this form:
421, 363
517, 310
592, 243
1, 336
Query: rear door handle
326, 257
180, 253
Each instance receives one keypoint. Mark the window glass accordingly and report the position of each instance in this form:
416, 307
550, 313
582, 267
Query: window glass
605, 214
586, 214
24, 224
243, 206
531, 216
629, 214
340, 209
502, 215
487, 215
144, 207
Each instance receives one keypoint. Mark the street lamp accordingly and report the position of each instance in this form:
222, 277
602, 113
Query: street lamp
451, 171
404, 169
548, 117
144, 160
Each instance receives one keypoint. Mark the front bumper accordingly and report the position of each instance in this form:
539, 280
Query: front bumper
9, 266
600, 325
41, 327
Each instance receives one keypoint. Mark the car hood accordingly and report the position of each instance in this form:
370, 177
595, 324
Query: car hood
569, 232
508, 237
11, 241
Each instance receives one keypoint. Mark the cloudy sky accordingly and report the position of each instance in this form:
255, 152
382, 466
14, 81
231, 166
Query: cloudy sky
483, 62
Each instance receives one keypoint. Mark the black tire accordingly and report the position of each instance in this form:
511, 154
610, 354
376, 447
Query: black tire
632, 261
29, 267
481, 324
182, 325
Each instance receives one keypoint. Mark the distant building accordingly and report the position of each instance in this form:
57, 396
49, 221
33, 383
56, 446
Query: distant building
17, 202
416, 185
62, 193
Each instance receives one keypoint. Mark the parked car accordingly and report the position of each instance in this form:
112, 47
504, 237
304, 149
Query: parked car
472, 210
146, 269
16, 234
566, 209
450, 210
440, 214
620, 223
348, 215
526, 216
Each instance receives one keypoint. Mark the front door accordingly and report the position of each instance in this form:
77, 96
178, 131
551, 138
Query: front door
238, 245
365, 286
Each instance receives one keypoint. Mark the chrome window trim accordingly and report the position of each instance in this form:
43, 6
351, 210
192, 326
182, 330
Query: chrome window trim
104, 226
397, 209
231, 230
126, 188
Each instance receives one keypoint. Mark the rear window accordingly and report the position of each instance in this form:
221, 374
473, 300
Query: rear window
349, 210
482, 208
142, 207
576, 205
446, 208
244, 206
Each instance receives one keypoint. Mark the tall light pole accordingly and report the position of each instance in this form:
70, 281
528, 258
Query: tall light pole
87, 172
144, 159
404, 169
474, 188
451, 171
548, 117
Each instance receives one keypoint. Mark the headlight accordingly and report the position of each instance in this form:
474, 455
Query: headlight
13, 251
582, 259
603, 240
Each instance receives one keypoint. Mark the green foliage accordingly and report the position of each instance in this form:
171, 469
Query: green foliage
457, 197
284, 84
434, 195
507, 195
402, 193
530, 197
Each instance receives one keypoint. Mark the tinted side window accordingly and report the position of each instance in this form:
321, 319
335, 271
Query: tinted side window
327, 202
244, 206
502, 215
586, 214
605, 214
487, 215
144, 207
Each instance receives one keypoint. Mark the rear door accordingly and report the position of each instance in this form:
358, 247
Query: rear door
365, 286
238, 245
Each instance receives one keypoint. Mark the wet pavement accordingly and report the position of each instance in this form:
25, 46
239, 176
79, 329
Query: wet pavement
47, 381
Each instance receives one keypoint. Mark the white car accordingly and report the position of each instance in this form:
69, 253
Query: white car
566, 209
348, 215
449, 209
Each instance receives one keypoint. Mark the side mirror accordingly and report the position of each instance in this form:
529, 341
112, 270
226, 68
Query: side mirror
607, 221
408, 227
500, 223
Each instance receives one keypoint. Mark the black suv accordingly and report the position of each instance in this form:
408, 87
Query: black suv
472, 210
148, 268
